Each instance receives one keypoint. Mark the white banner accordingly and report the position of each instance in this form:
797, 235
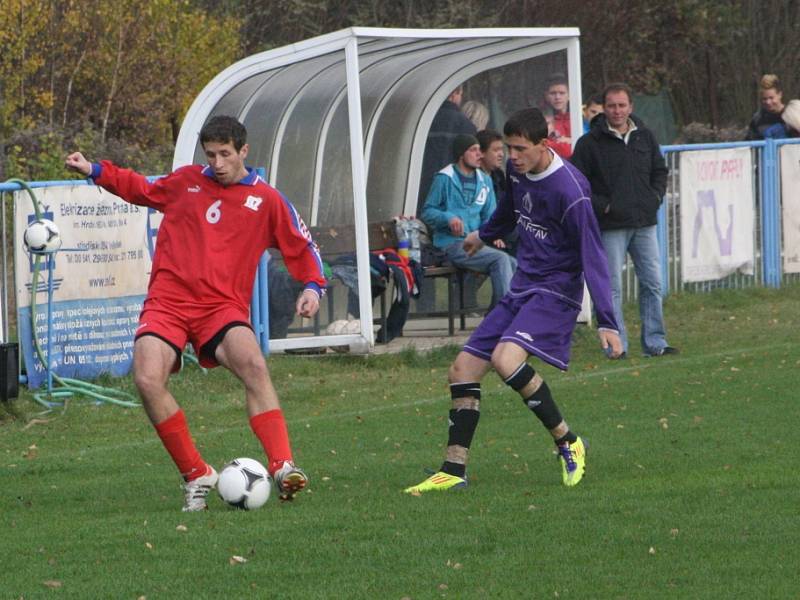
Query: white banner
717, 214
790, 197
99, 279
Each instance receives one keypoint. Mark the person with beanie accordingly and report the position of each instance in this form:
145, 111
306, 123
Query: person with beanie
460, 200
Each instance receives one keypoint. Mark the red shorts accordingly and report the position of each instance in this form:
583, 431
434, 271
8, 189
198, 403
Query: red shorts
179, 323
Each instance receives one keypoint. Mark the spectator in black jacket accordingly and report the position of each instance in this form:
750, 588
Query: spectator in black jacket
623, 163
771, 96
448, 123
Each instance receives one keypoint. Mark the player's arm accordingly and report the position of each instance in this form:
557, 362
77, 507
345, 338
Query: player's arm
300, 254
125, 183
582, 225
501, 221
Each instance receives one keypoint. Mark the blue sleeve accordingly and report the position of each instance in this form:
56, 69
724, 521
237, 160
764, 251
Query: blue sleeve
434, 212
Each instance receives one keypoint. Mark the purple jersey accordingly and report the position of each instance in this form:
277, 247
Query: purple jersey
559, 240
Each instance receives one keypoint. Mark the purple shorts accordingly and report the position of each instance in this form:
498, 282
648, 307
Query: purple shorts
540, 323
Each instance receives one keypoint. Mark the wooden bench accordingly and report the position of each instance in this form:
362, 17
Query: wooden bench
337, 240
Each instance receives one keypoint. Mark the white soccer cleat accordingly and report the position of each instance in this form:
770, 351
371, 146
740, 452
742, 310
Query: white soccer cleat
289, 480
196, 491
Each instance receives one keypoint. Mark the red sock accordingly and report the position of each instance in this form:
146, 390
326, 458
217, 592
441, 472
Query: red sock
270, 429
174, 434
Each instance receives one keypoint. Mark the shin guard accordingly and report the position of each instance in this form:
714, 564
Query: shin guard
542, 404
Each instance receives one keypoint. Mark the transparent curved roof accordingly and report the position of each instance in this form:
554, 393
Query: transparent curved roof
305, 104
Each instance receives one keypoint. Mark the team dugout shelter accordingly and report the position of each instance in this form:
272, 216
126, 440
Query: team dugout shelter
339, 123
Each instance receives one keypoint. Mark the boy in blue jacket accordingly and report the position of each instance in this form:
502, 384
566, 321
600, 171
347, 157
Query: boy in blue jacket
460, 200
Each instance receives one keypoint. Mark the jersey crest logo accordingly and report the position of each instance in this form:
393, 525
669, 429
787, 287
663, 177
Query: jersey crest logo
194, 189
514, 179
527, 202
253, 202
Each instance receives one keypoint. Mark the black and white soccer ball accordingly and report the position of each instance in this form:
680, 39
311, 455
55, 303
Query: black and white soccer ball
42, 237
343, 327
244, 483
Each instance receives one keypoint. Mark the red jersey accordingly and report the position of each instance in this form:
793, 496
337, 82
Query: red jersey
560, 127
212, 236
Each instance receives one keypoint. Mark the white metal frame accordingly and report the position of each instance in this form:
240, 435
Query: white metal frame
347, 40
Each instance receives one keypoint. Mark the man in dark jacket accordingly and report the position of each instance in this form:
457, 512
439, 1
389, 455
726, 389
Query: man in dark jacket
623, 163
448, 123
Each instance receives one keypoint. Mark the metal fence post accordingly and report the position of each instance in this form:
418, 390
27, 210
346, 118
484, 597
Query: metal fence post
662, 235
770, 214
259, 306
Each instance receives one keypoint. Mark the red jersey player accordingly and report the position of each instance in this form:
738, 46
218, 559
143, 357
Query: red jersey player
218, 221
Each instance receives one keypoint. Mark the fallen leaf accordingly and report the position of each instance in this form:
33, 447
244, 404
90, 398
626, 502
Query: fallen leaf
673, 532
734, 369
443, 586
148, 545
182, 528
237, 560
52, 583
652, 551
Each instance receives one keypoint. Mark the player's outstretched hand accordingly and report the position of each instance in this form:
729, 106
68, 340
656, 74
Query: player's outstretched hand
609, 339
308, 303
77, 162
472, 243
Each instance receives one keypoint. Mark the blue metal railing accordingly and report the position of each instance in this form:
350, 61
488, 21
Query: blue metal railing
767, 236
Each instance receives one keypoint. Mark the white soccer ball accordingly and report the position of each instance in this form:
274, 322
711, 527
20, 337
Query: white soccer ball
343, 327
244, 483
42, 237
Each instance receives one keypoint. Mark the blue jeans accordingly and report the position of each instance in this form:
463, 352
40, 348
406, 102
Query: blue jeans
642, 244
497, 264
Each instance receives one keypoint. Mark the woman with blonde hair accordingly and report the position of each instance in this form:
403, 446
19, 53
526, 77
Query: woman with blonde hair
477, 113
771, 96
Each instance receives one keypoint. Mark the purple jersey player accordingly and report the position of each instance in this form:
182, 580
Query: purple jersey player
549, 204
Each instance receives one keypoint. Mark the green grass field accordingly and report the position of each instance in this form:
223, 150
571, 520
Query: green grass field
691, 488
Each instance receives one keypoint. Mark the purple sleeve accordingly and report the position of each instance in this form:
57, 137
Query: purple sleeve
502, 221
581, 220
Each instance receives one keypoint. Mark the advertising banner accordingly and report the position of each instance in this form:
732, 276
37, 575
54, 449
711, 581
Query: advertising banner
717, 214
98, 281
790, 198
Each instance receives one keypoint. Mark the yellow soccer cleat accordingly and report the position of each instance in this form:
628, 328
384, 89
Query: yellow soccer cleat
437, 482
573, 461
